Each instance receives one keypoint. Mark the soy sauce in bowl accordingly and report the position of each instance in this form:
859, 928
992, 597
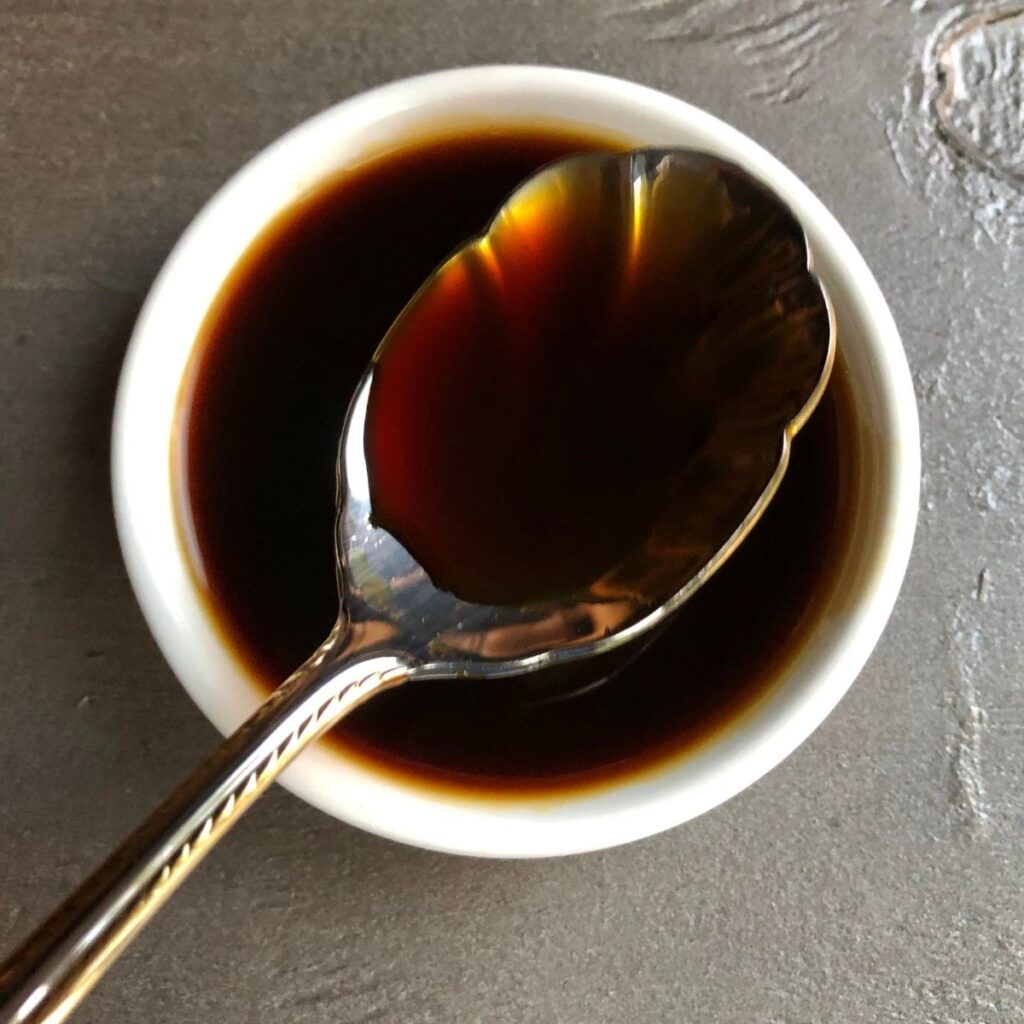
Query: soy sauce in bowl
292, 329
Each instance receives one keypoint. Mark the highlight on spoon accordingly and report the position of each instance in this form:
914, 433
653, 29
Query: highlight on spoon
591, 403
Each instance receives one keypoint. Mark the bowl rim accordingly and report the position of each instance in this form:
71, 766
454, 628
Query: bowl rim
541, 825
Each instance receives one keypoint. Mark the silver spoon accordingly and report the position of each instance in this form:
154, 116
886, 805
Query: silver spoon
396, 627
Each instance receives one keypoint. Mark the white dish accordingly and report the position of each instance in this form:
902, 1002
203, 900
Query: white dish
868, 578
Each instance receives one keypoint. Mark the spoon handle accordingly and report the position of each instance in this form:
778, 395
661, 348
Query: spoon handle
59, 963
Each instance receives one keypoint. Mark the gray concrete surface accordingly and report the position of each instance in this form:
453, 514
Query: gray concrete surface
876, 876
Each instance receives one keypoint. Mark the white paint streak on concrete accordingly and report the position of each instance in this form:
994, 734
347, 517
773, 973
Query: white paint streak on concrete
966, 747
980, 79
957, 134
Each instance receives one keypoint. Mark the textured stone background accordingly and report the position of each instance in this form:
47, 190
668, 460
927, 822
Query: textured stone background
876, 876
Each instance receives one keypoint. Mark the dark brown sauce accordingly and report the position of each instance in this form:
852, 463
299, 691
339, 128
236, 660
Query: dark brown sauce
585, 402
292, 329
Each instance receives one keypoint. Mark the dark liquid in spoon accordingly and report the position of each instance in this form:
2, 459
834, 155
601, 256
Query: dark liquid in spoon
292, 329
585, 402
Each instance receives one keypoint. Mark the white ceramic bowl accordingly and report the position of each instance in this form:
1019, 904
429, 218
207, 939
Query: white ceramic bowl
869, 576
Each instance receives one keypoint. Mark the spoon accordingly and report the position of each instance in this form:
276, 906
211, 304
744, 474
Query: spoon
677, 226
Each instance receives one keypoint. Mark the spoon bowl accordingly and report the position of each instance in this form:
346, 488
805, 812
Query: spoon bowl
776, 316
